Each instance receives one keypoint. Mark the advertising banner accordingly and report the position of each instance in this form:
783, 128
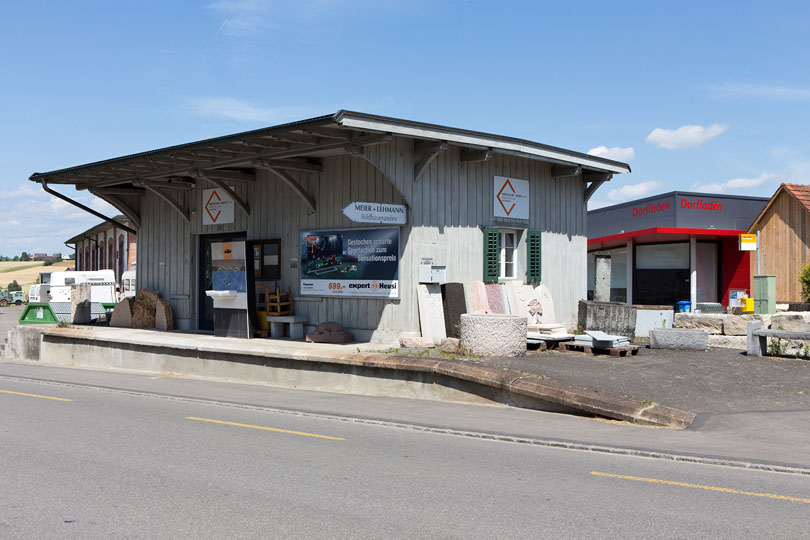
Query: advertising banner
350, 263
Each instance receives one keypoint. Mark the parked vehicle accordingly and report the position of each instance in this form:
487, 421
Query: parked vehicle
102, 284
16, 297
39, 293
128, 284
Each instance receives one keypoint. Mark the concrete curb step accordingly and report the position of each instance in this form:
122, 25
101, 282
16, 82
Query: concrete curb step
535, 387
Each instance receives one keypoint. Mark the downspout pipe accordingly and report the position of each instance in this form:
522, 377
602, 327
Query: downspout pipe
85, 208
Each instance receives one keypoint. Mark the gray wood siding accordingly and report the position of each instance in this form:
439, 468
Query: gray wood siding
448, 205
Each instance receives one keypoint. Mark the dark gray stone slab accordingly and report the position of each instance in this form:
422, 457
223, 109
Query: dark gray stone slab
455, 305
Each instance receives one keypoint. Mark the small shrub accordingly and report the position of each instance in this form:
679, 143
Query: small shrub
777, 347
804, 279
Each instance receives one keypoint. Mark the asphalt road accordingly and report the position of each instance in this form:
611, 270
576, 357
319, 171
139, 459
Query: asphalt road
101, 461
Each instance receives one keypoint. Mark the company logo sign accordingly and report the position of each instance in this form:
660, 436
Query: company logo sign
650, 209
700, 204
511, 198
217, 207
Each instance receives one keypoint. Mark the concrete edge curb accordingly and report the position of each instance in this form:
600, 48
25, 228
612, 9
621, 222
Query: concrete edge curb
519, 383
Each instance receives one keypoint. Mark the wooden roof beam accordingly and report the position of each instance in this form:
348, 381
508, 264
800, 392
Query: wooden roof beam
596, 180
573, 170
166, 197
230, 176
427, 152
221, 183
285, 177
468, 156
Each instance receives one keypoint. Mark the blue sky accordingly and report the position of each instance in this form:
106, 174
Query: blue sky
702, 96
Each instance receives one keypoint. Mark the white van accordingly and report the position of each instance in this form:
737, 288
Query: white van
128, 284
102, 284
39, 293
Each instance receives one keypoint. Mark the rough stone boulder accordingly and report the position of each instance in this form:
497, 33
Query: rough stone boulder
122, 314
330, 332
164, 320
416, 342
150, 297
493, 334
793, 322
80, 303
451, 345
143, 314
713, 324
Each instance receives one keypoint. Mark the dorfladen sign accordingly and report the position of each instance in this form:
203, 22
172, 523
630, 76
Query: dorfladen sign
371, 212
511, 198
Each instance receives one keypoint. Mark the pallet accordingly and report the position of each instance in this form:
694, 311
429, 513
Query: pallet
632, 350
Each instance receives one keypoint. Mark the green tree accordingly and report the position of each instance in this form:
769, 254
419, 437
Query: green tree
804, 279
14, 286
24, 256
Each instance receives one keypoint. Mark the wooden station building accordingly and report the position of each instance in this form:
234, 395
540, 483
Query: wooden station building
346, 210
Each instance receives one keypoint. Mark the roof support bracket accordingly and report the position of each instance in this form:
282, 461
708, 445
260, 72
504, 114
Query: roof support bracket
85, 208
427, 152
169, 199
595, 180
285, 177
220, 183
121, 206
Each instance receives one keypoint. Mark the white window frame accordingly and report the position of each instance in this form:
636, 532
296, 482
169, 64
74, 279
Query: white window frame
502, 234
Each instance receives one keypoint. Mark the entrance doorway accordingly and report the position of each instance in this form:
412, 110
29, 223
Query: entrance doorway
205, 305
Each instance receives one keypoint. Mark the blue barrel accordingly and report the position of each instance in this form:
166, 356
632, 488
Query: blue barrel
684, 306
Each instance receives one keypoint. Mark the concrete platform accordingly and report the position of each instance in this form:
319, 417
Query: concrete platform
355, 369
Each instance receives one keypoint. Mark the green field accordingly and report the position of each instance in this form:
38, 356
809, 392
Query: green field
27, 272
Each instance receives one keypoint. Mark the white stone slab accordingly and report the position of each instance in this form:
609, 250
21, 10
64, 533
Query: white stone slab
653, 318
431, 312
547, 304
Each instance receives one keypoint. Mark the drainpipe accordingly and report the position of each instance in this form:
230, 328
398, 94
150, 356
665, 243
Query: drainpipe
85, 208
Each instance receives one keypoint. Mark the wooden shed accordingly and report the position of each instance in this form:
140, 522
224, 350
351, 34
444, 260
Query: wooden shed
783, 239
482, 206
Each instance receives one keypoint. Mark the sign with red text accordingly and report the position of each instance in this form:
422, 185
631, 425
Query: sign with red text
511, 198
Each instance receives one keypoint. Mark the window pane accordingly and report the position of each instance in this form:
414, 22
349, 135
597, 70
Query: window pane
662, 256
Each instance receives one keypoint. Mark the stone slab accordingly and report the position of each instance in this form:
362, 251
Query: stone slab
495, 298
122, 314
652, 318
478, 292
711, 323
80, 312
679, 338
548, 314
727, 342
493, 334
790, 321
164, 320
454, 304
431, 312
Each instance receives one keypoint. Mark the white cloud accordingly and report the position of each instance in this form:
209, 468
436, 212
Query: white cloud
760, 91
684, 136
616, 153
242, 17
739, 185
37, 222
633, 191
235, 109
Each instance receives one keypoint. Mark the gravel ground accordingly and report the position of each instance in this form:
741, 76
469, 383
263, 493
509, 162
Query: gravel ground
713, 381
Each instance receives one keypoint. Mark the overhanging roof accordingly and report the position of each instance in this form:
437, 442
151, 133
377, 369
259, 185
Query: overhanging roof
294, 143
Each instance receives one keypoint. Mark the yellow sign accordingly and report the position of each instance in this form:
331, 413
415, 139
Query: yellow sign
748, 242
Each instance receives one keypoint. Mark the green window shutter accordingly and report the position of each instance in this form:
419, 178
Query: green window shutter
533, 257
491, 249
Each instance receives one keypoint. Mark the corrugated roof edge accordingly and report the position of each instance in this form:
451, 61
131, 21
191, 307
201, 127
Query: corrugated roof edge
559, 154
224, 138
564, 155
670, 193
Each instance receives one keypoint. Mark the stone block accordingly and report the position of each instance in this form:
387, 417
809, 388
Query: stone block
451, 345
493, 334
711, 323
790, 321
80, 303
679, 338
431, 312
164, 320
143, 315
122, 314
150, 297
410, 342
330, 332
736, 325
728, 342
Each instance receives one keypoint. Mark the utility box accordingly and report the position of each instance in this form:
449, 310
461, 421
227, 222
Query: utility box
765, 294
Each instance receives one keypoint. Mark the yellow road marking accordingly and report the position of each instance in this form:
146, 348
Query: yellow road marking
265, 428
699, 486
35, 395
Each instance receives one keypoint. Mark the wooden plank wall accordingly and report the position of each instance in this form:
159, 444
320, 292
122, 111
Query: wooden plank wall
448, 205
784, 233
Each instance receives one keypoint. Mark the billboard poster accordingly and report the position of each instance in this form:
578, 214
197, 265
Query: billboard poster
350, 263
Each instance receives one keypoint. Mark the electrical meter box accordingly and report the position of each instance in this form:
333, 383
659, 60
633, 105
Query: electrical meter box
432, 273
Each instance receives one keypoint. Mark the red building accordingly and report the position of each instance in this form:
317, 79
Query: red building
675, 246
105, 247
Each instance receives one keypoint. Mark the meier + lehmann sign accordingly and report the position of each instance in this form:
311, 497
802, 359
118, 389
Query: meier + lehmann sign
371, 212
